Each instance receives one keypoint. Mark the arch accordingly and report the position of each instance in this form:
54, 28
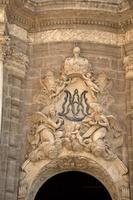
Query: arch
111, 177
72, 185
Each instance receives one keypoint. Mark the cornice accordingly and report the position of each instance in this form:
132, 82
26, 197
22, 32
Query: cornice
73, 4
19, 13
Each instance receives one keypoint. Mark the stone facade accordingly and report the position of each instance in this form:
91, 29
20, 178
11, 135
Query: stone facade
37, 68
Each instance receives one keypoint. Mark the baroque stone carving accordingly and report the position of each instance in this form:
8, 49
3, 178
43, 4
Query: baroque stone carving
73, 115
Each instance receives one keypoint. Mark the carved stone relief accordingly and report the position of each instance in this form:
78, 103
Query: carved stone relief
74, 113
74, 119
86, 35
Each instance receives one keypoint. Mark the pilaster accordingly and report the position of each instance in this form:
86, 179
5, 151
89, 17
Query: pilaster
128, 64
15, 64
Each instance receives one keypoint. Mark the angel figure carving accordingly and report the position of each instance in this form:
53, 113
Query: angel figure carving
51, 88
94, 131
45, 140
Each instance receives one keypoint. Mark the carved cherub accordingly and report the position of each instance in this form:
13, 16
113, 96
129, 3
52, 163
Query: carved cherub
96, 122
47, 135
51, 88
93, 87
98, 127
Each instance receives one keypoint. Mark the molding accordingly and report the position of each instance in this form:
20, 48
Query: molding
35, 20
97, 5
31, 25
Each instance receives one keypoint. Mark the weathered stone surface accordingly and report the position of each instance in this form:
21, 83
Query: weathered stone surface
40, 43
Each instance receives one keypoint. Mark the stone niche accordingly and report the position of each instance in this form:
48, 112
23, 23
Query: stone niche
74, 105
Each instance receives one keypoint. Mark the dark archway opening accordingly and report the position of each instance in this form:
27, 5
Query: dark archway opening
72, 185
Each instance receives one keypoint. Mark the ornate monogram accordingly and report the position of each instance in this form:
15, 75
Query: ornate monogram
73, 114
75, 107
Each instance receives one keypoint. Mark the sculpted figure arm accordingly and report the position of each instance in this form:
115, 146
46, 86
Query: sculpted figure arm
89, 83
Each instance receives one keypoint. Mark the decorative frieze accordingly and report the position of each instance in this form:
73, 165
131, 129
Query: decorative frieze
90, 35
84, 35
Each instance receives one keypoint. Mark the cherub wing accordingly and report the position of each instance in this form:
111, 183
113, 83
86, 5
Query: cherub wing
114, 136
43, 83
114, 125
36, 117
104, 97
103, 82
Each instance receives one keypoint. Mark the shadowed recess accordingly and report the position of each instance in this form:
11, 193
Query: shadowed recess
72, 185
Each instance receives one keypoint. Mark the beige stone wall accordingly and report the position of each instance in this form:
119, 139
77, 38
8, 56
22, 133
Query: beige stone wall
48, 50
20, 90
102, 57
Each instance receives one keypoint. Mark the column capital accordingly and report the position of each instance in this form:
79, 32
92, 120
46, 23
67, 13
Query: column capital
3, 46
15, 61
